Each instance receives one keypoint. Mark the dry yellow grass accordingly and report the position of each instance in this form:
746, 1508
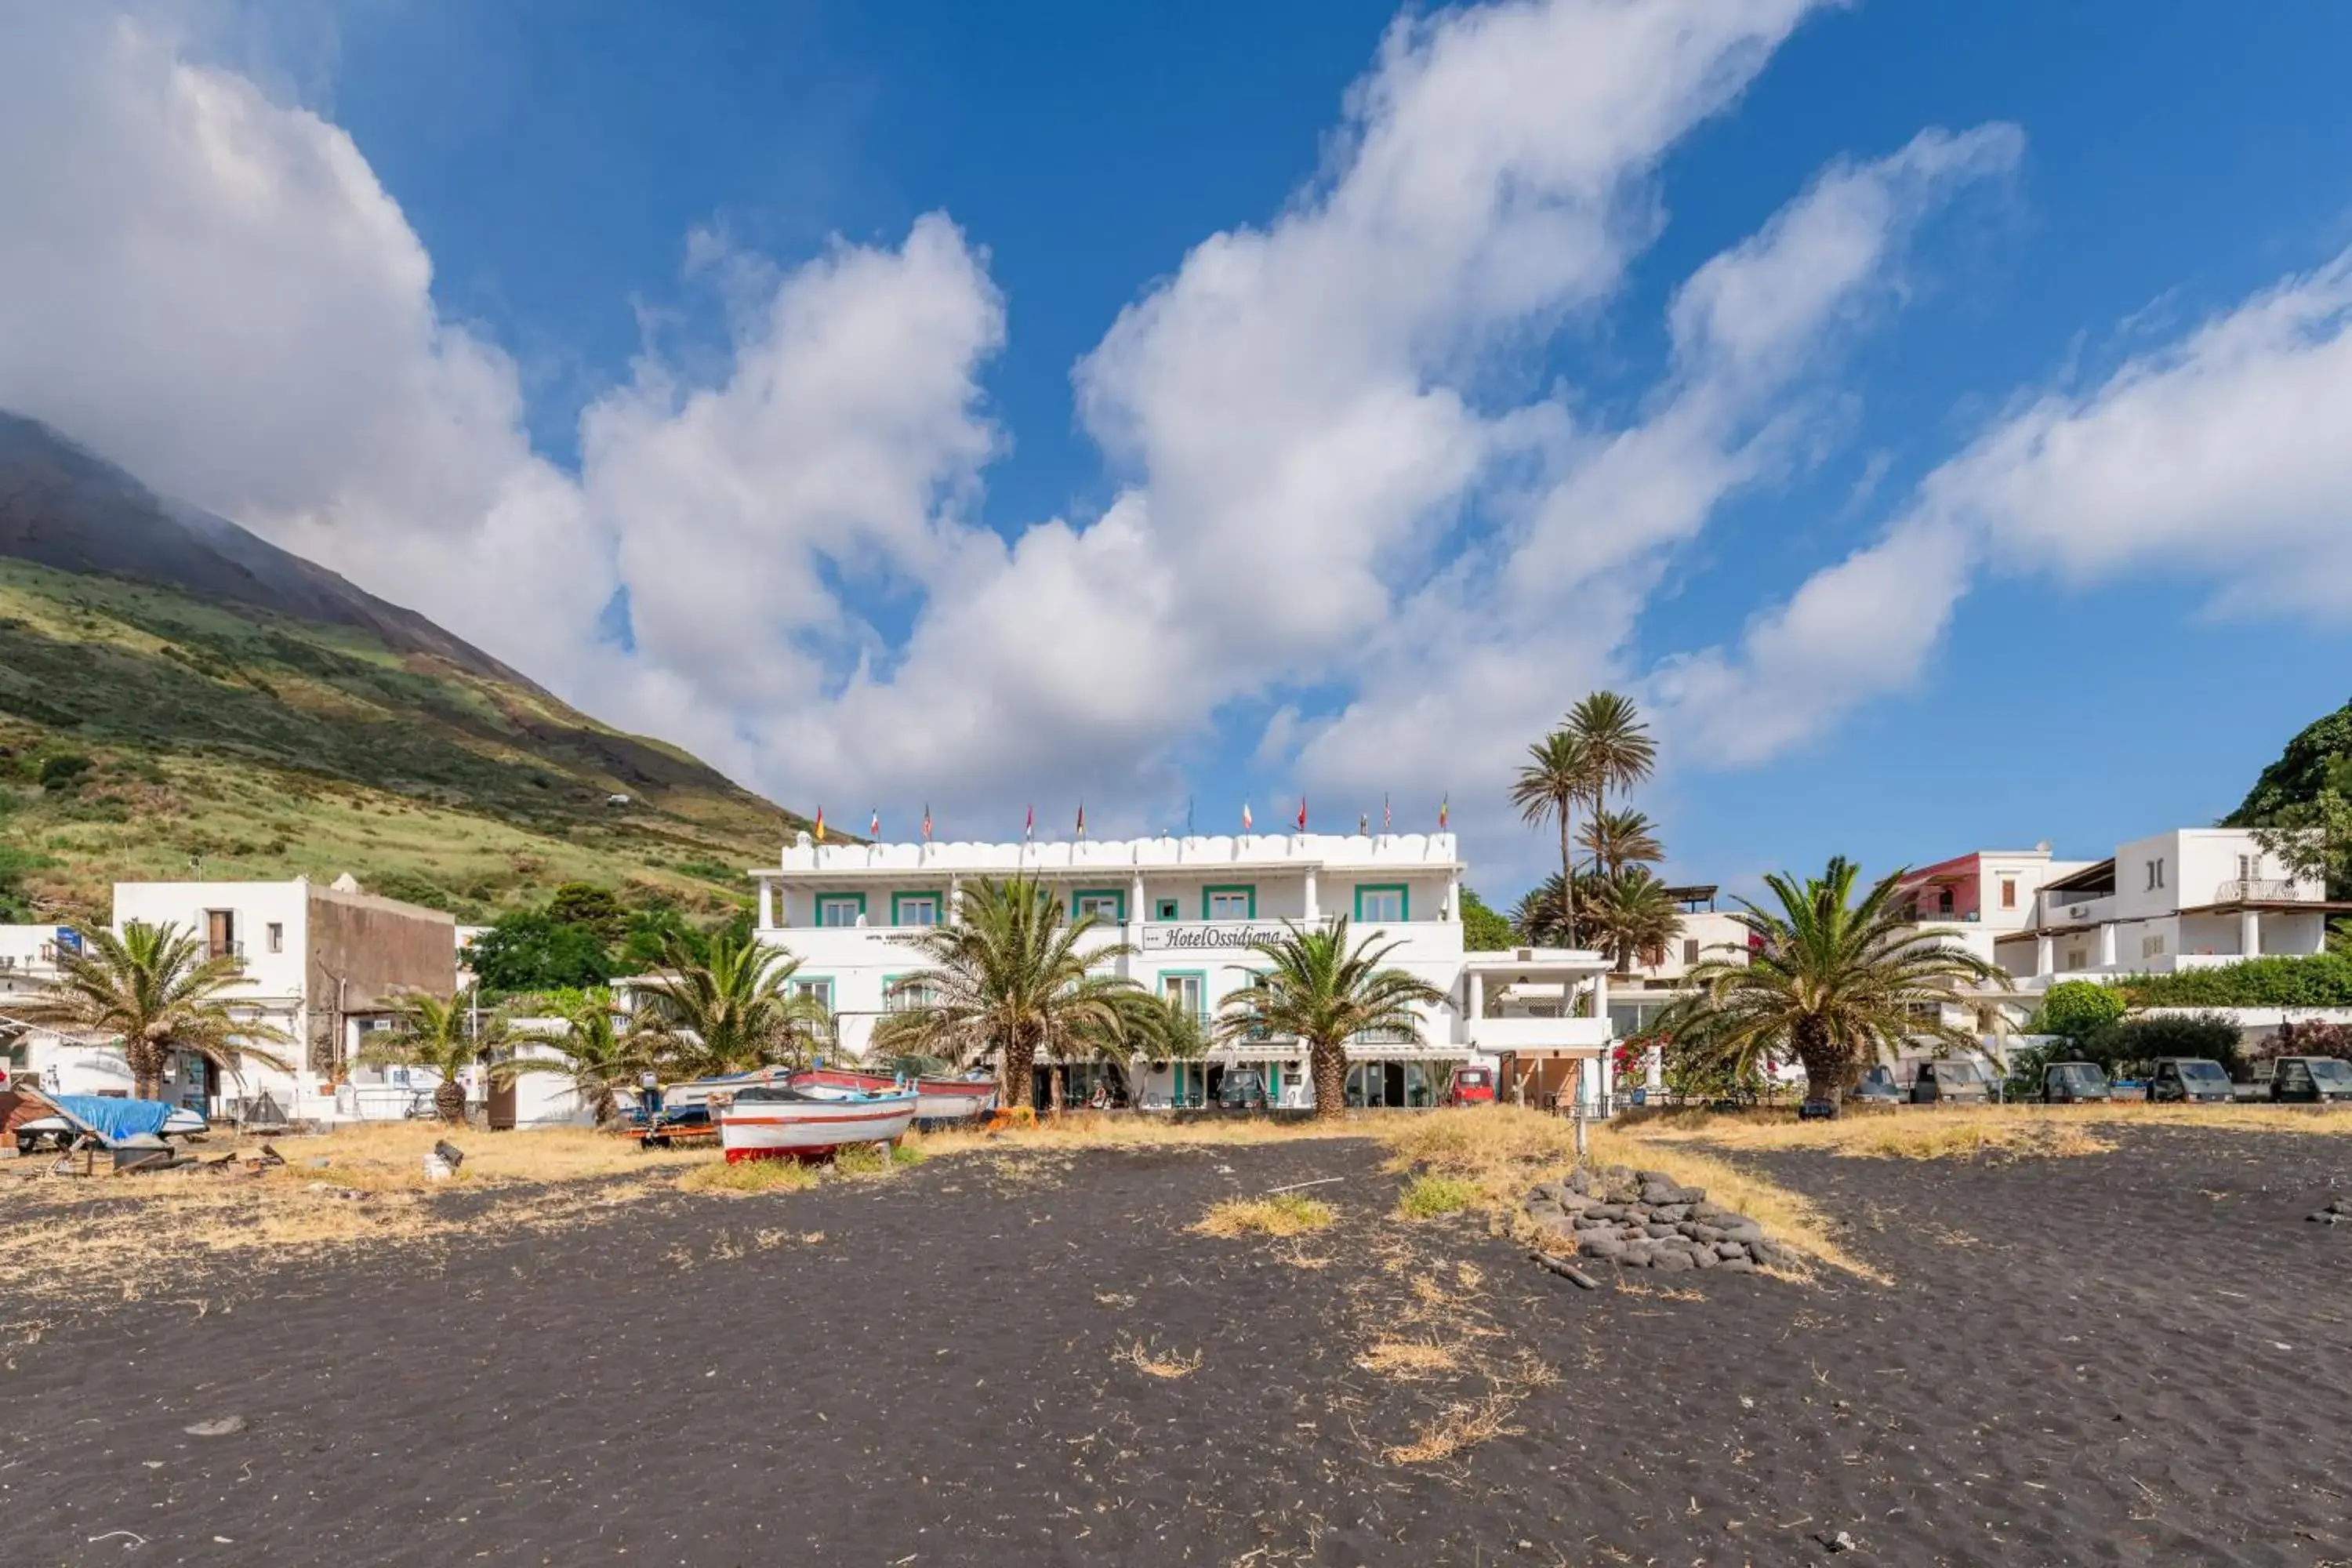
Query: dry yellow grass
2016, 1131
1087, 1130
1457, 1428
1409, 1359
1167, 1364
1503, 1149
1279, 1214
747, 1176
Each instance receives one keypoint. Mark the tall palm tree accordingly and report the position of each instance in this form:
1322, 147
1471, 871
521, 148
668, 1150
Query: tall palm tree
1616, 839
1558, 773
1632, 914
1321, 991
600, 1050
1834, 983
442, 1033
1618, 749
731, 1009
1009, 978
1151, 1029
153, 988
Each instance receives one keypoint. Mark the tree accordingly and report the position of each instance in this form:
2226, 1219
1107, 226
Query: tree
1616, 839
2130, 1045
1558, 773
1618, 749
1539, 918
1009, 978
527, 952
602, 1051
1482, 929
439, 1034
732, 1010
1632, 914
1321, 991
2075, 1009
153, 988
1834, 983
1150, 1029
591, 908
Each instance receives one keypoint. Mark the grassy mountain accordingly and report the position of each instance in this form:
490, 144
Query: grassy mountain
177, 694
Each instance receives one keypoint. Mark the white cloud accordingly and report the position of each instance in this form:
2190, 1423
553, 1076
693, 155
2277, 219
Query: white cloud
2224, 458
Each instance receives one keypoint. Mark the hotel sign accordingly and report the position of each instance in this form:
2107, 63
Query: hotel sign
1187, 938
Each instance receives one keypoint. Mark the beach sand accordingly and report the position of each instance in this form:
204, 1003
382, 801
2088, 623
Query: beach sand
2133, 1357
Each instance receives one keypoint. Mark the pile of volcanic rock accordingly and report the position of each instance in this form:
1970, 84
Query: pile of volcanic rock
1642, 1219
2338, 1212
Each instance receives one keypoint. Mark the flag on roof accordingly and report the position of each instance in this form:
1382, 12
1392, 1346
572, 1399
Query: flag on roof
927, 822
1082, 819
819, 825
873, 826
1444, 802
1246, 816
1302, 813
1029, 828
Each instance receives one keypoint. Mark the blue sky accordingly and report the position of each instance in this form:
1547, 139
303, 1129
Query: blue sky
617, 202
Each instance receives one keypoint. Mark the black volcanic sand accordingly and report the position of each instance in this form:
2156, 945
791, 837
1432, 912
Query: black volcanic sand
2136, 1357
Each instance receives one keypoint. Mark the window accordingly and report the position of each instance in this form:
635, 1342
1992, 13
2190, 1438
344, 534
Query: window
2155, 876
898, 999
914, 909
1103, 903
1690, 949
1378, 903
1165, 909
220, 934
819, 989
1234, 903
840, 908
2151, 946
2009, 892
276, 937
1185, 990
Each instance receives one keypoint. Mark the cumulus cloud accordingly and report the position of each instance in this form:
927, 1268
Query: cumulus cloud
2224, 458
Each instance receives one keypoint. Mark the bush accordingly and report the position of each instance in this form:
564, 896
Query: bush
1429, 1196
63, 770
2322, 980
2312, 1039
2124, 1048
2076, 1009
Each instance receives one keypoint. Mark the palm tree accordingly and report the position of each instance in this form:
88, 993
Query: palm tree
1834, 983
602, 1050
1618, 749
1009, 978
153, 988
730, 1010
1321, 993
1559, 771
442, 1034
1616, 839
1632, 914
1150, 1029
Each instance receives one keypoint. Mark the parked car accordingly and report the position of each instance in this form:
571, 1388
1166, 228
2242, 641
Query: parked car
1952, 1082
2073, 1083
2311, 1079
2192, 1080
1243, 1090
1469, 1085
1877, 1088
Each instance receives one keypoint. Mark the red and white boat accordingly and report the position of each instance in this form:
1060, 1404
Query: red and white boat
783, 1121
953, 1099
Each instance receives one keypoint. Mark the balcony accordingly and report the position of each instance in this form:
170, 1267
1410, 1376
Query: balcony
2265, 891
2075, 910
1537, 1034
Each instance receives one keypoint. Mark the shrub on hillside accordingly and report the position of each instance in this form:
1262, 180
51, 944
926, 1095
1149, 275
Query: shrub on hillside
2322, 980
2076, 1010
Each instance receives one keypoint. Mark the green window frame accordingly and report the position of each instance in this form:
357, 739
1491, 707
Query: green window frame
1209, 894
939, 901
802, 983
1117, 896
896, 1004
1402, 891
1167, 910
1200, 977
825, 901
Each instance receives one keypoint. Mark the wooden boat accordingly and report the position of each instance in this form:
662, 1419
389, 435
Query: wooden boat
781, 1119
952, 1098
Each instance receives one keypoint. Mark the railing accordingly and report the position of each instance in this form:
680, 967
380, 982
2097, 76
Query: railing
2263, 890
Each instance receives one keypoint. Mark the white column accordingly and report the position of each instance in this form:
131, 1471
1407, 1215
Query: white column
1135, 910
1478, 994
1313, 913
784, 904
2107, 944
1601, 996
1452, 909
767, 904
1654, 1075
2250, 932
2045, 955
955, 900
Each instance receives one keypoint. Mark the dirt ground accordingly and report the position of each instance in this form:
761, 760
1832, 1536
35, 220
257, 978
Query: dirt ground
2132, 1357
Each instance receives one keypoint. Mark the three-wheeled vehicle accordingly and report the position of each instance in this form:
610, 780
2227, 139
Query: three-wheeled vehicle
2189, 1080
2073, 1083
1877, 1086
1469, 1085
1953, 1081
2311, 1079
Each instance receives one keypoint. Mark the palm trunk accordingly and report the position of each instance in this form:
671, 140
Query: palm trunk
449, 1100
1020, 1067
1567, 876
147, 1088
1829, 1065
1328, 1063
145, 1060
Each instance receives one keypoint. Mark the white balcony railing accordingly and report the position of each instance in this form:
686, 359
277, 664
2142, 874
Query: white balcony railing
2264, 890
1537, 1034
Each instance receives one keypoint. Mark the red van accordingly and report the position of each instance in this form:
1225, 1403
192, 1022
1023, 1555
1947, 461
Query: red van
1469, 1085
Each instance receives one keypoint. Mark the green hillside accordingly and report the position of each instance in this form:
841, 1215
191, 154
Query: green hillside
148, 733
2317, 761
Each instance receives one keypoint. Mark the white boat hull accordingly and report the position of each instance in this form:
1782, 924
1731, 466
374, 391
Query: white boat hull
807, 1129
947, 1099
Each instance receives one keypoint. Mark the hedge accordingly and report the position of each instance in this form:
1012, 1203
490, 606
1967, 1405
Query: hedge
2322, 980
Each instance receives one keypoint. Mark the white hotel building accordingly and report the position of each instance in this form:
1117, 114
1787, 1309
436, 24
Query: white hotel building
1189, 907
